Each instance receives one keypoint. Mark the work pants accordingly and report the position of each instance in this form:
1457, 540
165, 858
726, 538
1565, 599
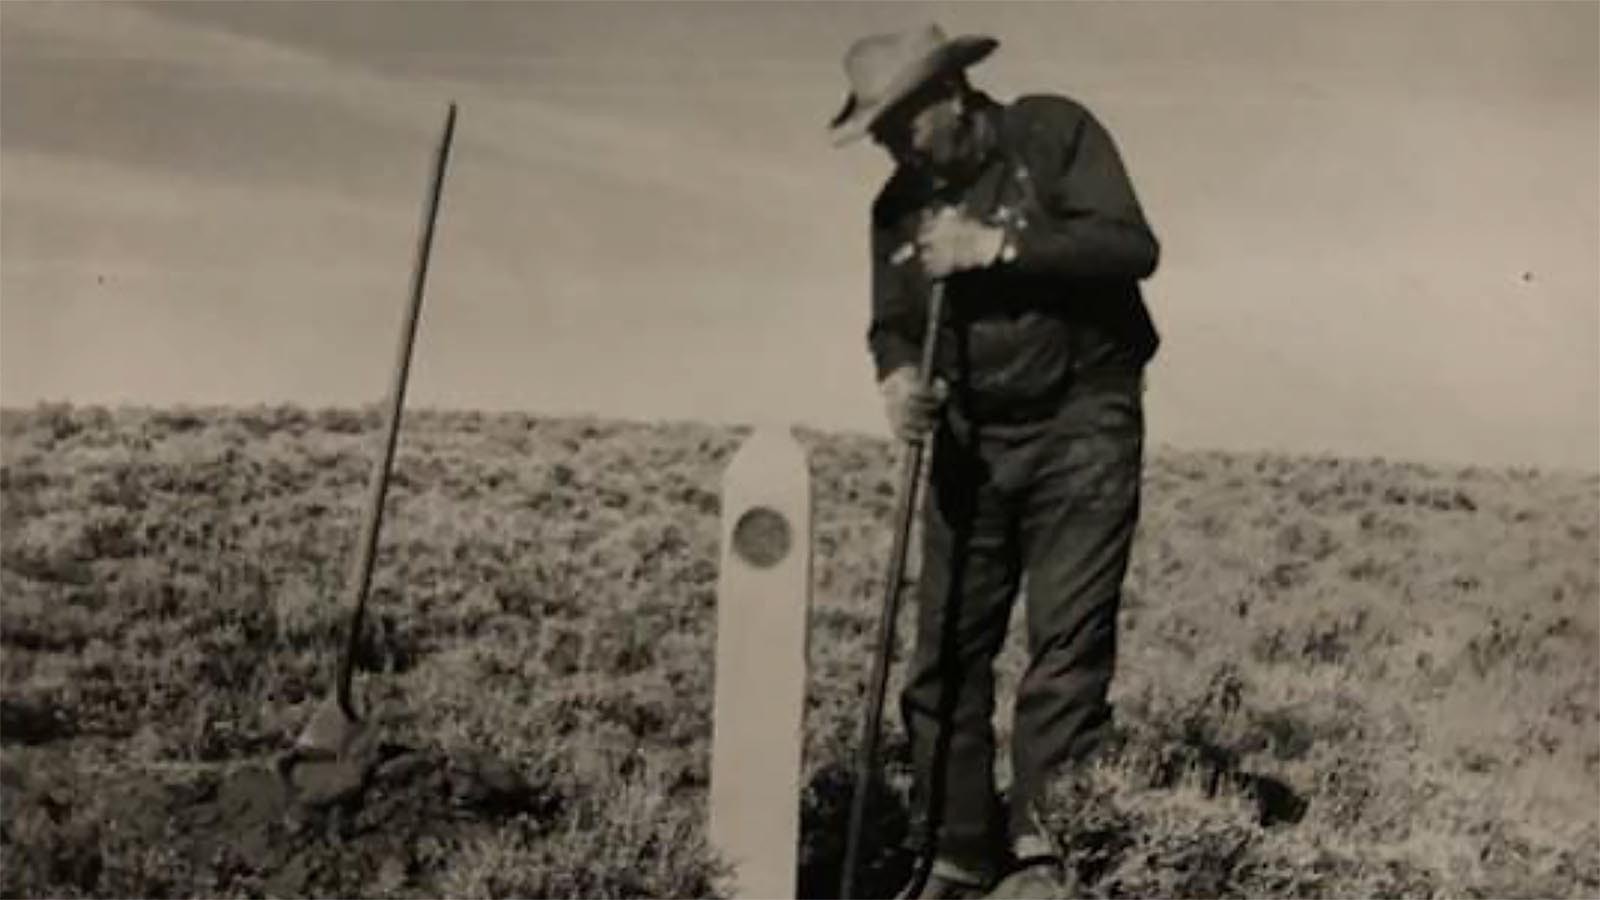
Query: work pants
1057, 501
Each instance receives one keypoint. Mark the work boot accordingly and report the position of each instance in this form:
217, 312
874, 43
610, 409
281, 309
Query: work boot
1036, 871
944, 881
1039, 878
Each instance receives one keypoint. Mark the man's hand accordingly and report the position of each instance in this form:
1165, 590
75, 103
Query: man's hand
949, 242
911, 408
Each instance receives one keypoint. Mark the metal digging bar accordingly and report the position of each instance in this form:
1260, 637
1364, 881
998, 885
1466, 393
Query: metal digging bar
910, 482
335, 727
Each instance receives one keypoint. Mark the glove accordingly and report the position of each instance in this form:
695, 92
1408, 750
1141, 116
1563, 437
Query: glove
911, 408
949, 242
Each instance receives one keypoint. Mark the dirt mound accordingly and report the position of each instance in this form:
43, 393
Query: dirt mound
311, 827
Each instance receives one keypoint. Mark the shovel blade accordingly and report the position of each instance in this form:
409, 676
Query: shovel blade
331, 758
332, 731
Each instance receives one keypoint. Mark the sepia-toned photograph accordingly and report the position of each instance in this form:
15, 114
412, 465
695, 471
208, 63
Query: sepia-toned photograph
800, 449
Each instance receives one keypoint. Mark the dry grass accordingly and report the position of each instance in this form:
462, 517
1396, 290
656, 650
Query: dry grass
1339, 677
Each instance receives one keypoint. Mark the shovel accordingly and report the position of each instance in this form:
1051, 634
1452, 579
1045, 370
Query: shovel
335, 730
910, 481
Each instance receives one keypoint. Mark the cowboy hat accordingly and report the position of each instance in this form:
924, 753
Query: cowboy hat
886, 68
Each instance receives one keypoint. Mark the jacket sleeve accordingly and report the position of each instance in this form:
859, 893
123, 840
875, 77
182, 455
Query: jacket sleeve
897, 314
1092, 224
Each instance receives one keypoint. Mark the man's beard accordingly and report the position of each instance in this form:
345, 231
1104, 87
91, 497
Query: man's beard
953, 154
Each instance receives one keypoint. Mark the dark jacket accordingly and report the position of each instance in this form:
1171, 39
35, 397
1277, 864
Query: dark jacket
1067, 307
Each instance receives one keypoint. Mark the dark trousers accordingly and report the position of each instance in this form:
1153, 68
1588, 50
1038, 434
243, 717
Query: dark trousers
1057, 501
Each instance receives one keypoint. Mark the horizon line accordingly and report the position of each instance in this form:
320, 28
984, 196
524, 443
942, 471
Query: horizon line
444, 410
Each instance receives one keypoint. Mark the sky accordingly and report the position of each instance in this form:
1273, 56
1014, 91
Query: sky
1379, 220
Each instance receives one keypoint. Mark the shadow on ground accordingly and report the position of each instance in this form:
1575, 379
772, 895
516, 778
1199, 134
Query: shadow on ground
825, 824
1276, 802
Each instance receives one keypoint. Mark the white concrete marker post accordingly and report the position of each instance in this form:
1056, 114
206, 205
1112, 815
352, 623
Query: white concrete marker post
763, 612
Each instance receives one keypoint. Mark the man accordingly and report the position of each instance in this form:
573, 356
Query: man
1026, 214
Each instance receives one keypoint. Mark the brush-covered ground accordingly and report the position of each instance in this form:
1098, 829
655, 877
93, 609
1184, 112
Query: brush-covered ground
1338, 677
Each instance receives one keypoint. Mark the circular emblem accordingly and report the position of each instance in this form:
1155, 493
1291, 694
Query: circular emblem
761, 537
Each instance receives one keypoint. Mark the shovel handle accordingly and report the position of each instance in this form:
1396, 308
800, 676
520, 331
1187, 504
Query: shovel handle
910, 481
360, 582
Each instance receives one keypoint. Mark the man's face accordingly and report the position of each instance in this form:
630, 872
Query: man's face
924, 131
